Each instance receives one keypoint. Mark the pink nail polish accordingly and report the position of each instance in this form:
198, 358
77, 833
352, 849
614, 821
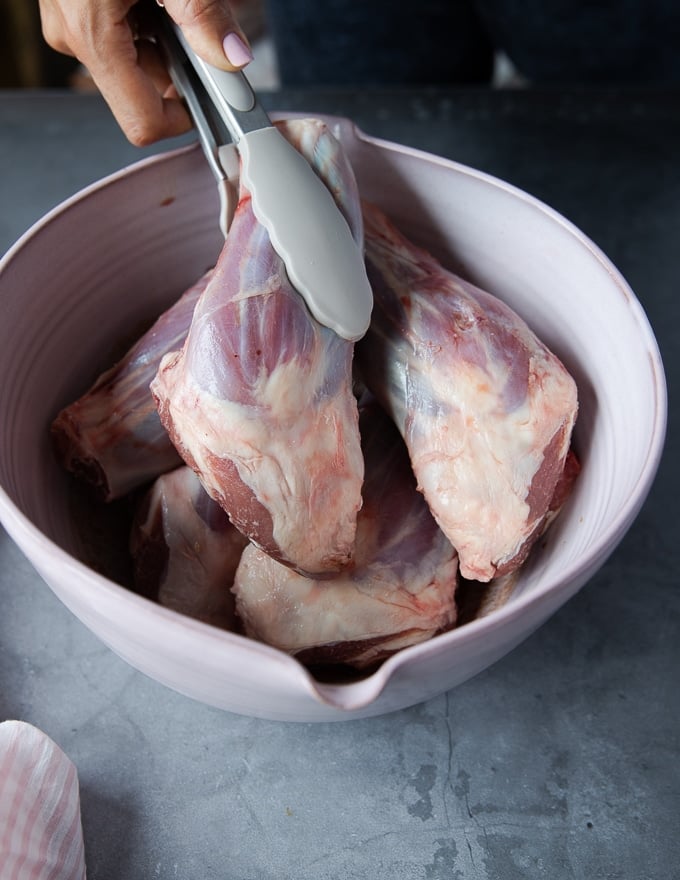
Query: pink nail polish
236, 50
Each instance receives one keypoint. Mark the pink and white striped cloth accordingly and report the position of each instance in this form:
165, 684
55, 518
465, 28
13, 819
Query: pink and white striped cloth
41, 836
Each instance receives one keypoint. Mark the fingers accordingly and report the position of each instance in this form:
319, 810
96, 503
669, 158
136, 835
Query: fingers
152, 63
132, 79
134, 82
53, 28
142, 98
131, 75
212, 31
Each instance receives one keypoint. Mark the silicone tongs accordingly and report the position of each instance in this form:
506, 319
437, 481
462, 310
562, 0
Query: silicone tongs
306, 228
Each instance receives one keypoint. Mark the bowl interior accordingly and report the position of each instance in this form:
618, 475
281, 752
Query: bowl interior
79, 289
89, 277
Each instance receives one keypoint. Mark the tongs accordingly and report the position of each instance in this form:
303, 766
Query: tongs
323, 262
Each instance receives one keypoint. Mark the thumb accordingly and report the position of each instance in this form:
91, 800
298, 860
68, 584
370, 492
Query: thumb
212, 31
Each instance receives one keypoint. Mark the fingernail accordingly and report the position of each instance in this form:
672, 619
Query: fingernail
236, 50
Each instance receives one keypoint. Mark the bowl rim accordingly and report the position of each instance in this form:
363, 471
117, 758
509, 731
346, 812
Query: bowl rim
355, 695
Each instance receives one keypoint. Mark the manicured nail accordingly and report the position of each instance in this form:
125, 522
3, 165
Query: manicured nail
236, 50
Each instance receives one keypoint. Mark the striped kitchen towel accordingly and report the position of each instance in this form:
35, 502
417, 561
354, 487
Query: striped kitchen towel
41, 836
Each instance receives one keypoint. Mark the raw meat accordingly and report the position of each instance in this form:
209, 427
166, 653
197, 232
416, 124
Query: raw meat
259, 401
486, 410
112, 437
399, 590
185, 550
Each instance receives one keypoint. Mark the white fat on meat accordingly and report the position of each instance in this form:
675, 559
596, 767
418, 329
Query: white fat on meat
398, 591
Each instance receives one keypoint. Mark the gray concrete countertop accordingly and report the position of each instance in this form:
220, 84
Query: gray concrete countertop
563, 759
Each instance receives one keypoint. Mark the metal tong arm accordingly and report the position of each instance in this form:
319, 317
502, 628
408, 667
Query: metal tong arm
211, 129
213, 133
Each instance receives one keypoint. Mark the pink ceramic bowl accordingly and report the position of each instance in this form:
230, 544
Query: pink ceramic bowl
116, 254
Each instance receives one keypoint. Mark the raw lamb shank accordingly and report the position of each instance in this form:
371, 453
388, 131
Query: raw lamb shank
486, 410
259, 400
399, 590
185, 550
112, 437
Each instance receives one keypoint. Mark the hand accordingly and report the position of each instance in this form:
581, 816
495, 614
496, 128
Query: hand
107, 37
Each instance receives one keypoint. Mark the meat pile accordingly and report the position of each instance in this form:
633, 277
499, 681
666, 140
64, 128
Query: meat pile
321, 496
